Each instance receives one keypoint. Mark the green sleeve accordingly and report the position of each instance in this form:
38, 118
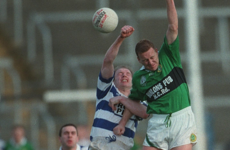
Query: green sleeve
172, 51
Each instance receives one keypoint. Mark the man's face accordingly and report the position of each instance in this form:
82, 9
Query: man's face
149, 59
123, 78
69, 137
18, 134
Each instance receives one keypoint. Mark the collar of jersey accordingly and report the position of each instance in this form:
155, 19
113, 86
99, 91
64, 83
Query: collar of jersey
158, 69
143, 68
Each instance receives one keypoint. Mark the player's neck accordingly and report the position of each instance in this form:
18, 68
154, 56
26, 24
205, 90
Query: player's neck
69, 148
125, 91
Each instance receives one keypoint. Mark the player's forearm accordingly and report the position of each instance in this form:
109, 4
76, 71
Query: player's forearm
172, 14
113, 50
172, 30
107, 69
135, 107
126, 115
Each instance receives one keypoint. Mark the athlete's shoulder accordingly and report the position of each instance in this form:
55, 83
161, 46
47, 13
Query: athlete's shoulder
84, 147
139, 73
80, 147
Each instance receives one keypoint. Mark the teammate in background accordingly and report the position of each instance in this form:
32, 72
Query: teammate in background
2, 142
18, 140
113, 82
83, 131
162, 83
68, 136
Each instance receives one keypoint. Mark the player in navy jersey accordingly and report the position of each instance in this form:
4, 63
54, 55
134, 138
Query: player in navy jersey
106, 133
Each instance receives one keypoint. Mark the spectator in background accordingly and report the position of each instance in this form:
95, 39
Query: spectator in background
83, 135
2, 142
18, 140
68, 136
227, 146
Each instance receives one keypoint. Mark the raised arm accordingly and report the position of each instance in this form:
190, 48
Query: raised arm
172, 30
107, 68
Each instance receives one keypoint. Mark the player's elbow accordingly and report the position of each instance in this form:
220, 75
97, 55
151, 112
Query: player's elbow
108, 60
173, 27
145, 115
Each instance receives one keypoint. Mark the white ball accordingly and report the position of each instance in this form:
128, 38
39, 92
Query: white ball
105, 20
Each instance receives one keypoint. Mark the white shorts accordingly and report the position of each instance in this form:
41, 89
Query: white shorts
100, 143
166, 132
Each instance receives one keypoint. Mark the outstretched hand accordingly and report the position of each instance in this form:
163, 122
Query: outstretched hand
126, 31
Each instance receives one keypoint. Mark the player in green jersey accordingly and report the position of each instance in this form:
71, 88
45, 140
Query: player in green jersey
162, 83
18, 141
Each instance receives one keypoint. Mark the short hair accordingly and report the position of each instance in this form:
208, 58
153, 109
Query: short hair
16, 126
65, 125
143, 46
123, 66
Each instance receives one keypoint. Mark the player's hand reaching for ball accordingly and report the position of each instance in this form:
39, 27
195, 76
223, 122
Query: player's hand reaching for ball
126, 31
